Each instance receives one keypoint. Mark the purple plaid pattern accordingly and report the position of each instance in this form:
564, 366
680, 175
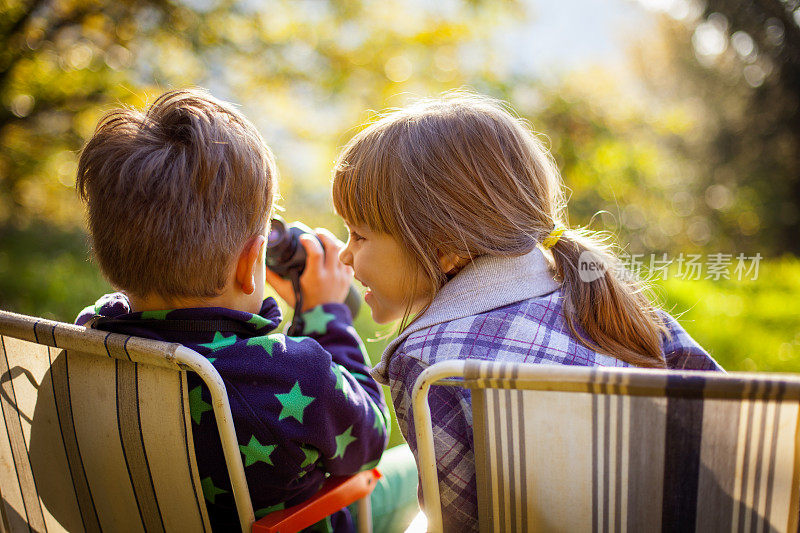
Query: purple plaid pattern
530, 331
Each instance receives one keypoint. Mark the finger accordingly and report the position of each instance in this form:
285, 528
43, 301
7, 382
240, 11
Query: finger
278, 282
274, 279
282, 287
314, 254
332, 247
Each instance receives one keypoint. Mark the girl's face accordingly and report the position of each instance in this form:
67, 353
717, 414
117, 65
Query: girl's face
383, 266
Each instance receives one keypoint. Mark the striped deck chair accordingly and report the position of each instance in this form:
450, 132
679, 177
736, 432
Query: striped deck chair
586, 449
99, 436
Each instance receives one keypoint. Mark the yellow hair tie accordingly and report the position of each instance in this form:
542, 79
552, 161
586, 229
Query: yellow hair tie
555, 234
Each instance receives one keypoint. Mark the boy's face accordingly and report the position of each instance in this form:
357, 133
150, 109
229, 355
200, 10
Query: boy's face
383, 266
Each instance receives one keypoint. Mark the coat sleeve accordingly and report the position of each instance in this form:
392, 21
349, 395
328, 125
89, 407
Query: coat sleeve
324, 396
681, 351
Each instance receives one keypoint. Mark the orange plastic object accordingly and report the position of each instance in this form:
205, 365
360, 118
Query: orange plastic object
336, 493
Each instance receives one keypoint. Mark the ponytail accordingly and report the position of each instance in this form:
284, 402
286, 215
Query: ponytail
611, 309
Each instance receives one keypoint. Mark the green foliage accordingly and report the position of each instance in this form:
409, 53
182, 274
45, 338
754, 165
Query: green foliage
747, 325
739, 154
47, 272
304, 71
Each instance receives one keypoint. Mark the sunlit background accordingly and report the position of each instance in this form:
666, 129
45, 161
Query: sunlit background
675, 123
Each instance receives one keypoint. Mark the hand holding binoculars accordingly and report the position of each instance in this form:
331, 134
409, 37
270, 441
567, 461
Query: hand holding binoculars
287, 258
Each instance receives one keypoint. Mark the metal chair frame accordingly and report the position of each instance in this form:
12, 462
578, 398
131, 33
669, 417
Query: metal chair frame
335, 494
634, 382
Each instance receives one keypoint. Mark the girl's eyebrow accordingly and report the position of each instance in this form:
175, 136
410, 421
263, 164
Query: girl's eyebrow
355, 227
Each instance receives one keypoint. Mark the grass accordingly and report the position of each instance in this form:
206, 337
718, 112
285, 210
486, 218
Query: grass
751, 325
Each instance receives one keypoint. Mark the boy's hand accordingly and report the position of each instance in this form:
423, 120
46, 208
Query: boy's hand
325, 278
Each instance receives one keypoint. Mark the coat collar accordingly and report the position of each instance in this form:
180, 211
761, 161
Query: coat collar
487, 283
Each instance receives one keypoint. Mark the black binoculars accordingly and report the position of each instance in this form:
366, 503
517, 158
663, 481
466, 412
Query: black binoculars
287, 257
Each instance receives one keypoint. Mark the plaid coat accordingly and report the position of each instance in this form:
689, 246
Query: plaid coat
499, 309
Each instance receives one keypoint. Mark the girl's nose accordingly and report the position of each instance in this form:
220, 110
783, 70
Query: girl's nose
346, 256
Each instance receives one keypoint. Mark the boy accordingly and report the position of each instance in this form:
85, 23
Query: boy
179, 198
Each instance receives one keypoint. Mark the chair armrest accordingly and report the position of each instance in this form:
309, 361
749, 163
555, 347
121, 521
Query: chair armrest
335, 494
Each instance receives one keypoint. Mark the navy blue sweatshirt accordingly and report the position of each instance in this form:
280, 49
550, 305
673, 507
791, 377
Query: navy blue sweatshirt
303, 407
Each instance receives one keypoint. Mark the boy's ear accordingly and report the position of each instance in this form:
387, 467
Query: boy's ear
247, 264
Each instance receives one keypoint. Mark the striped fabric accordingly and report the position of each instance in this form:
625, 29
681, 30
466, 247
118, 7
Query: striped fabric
98, 432
564, 449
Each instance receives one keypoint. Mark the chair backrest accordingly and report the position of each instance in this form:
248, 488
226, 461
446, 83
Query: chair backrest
582, 449
99, 431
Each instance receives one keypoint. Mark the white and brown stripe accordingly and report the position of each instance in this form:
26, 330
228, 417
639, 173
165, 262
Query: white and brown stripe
90, 433
587, 450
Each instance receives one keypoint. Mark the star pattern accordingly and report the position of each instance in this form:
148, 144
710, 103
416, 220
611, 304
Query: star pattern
340, 381
255, 451
311, 456
267, 342
196, 404
380, 422
209, 490
343, 440
219, 342
258, 321
261, 513
158, 315
294, 403
317, 320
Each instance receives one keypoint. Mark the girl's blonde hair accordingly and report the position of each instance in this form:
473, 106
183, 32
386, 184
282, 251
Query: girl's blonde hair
461, 175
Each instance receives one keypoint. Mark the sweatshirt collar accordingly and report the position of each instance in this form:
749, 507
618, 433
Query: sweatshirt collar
487, 283
117, 306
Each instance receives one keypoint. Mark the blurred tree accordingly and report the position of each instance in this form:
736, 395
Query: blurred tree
765, 35
612, 145
60, 60
304, 69
734, 70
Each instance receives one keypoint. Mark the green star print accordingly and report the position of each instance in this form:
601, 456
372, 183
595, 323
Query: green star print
343, 440
267, 342
317, 321
196, 404
159, 315
255, 451
311, 456
209, 490
380, 421
219, 342
294, 403
261, 513
258, 321
340, 381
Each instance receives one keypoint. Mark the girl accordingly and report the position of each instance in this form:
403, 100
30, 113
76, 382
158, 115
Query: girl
457, 218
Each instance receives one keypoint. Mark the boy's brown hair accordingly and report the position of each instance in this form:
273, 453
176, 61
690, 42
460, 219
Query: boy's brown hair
174, 192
